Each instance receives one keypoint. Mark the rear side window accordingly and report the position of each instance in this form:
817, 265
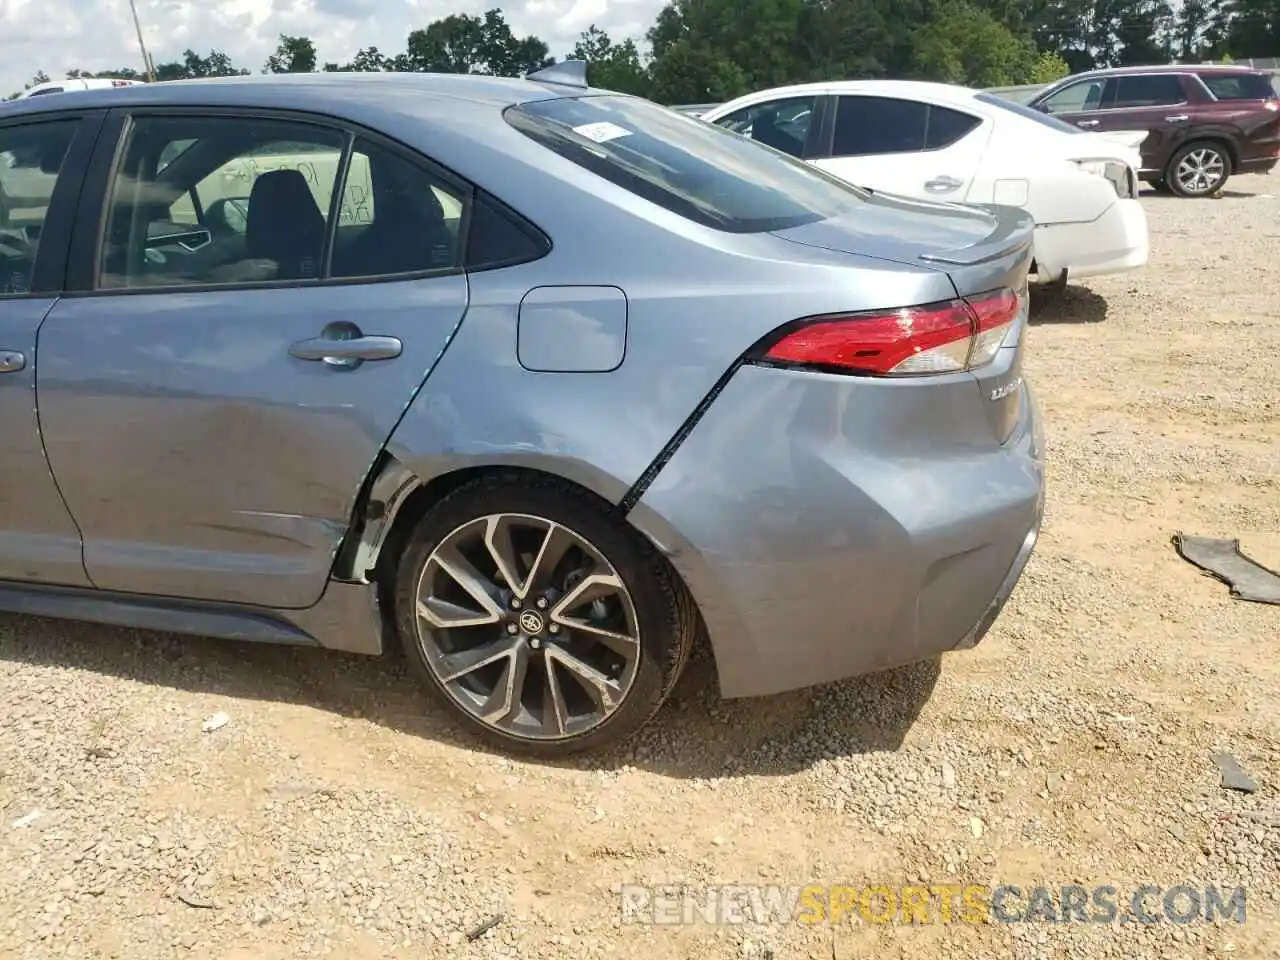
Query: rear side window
946, 127
867, 126
1153, 90
31, 159
498, 238
695, 169
1239, 86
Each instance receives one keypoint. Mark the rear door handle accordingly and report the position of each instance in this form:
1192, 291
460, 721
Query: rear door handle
1178, 119
347, 353
11, 361
1087, 123
943, 184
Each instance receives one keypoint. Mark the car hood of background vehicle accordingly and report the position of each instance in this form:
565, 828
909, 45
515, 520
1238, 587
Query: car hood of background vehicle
905, 230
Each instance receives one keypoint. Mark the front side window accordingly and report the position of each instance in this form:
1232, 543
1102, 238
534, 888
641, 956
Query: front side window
1153, 90
1026, 112
221, 200
781, 124
700, 171
1076, 98
869, 126
31, 158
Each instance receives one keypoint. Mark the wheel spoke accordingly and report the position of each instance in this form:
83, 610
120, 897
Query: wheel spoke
453, 563
497, 539
555, 545
555, 715
591, 587
504, 699
444, 615
605, 692
454, 666
619, 643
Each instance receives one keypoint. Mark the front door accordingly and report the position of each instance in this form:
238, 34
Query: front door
248, 338
41, 161
906, 147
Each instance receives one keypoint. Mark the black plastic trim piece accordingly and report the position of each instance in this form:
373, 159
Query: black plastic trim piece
199, 618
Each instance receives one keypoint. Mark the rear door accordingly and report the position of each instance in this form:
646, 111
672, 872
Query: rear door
1159, 103
268, 294
907, 147
42, 161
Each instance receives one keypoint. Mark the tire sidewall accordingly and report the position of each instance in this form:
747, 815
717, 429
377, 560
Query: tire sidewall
650, 595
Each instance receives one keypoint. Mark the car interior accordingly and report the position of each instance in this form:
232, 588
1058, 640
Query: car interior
168, 227
28, 171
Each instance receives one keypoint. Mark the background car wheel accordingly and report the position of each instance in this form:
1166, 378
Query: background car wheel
1198, 170
538, 619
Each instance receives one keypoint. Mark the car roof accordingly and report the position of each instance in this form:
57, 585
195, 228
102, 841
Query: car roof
1165, 68
337, 94
946, 92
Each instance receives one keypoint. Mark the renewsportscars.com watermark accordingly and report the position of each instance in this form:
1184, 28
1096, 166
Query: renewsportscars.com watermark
676, 905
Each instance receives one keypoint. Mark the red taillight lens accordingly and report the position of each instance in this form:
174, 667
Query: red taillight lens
935, 338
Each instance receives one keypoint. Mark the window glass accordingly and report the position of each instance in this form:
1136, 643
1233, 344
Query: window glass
781, 124
263, 189
1154, 90
496, 239
867, 126
395, 218
698, 170
1028, 113
947, 126
1077, 98
1238, 86
31, 158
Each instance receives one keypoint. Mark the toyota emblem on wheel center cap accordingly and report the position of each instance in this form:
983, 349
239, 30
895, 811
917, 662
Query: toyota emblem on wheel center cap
531, 622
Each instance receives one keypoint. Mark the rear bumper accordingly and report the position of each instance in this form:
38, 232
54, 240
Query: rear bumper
1115, 242
826, 532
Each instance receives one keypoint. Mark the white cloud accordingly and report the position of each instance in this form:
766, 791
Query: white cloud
60, 35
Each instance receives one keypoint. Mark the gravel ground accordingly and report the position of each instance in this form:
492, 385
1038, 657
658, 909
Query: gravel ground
335, 815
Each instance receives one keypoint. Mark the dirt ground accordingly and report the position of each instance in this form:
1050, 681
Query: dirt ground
336, 815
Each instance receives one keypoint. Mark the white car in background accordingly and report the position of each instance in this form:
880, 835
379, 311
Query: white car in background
79, 83
941, 142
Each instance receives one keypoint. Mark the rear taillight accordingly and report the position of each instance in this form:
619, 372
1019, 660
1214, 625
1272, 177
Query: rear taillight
1272, 105
935, 338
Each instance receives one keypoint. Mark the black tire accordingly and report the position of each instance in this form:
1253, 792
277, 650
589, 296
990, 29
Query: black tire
665, 616
1161, 186
1210, 153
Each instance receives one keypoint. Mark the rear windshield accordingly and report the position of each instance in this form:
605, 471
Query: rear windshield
693, 168
1239, 86
1029, 113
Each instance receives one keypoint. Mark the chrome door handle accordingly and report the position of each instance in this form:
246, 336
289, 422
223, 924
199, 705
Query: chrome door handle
943, 184
11, 361
347, 353
1087, 123
1178, 119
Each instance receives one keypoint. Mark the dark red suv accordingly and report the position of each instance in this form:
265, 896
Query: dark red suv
1206, 122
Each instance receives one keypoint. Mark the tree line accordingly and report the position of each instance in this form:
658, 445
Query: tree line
713, 50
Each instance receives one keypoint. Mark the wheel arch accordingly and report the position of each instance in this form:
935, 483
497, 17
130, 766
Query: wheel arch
399, 491
1218, 139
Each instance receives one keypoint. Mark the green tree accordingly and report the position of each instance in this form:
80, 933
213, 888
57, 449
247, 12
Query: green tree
293, 55
965, 45
1252, 28
613, 66
1048, 68
367, 60
192, 66
461, 43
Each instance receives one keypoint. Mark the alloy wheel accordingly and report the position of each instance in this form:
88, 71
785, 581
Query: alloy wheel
1201, 170
527, 626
